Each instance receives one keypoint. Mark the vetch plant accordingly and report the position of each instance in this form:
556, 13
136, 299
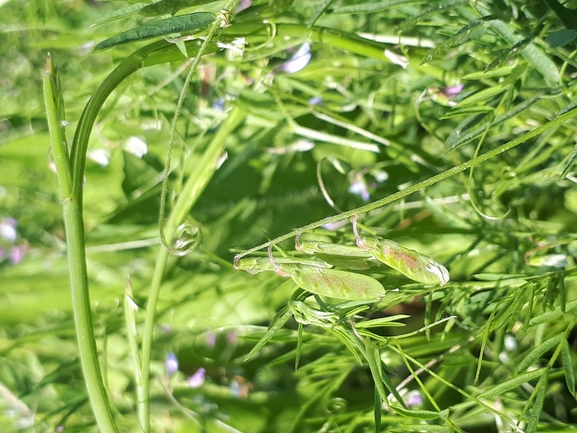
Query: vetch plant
366, 320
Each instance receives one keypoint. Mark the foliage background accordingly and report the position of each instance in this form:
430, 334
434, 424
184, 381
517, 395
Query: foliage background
504, 230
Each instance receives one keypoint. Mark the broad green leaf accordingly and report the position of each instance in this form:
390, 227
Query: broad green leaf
560, 38
567, 16
180, 24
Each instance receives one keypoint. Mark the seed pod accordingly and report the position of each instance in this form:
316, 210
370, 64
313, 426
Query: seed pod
337, 284
411, 263
254, 265
345, 256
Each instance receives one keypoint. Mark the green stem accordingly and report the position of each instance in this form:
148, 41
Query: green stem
74, 226
71, 175
149, 55
187, 198
418, 186
190, 193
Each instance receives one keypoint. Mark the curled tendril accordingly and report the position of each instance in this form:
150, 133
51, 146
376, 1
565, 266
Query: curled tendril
188, 237
336, 405
271, 30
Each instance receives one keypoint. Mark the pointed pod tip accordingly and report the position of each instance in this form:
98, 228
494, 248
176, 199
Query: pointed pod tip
49, 64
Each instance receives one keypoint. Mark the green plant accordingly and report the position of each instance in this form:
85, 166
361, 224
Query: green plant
399, 101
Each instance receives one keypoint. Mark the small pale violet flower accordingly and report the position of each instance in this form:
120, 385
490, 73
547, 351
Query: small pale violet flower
298, 61
16, 254
413, 398
197, 379
218, 104
8, 229
243, 5
171, 363
358, 187
336, 225
315, 100
452, 91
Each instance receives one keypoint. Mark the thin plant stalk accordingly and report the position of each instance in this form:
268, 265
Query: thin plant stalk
74, 226
188, 197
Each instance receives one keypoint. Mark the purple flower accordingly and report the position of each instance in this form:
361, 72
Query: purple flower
171, 363
17, 253
243, 5
197, 379
452, 91
358, 187
315, 100
414, 398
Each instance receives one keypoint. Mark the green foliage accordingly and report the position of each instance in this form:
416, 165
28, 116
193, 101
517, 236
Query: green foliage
394, 103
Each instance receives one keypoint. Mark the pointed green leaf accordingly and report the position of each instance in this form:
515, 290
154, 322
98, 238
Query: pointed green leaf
568, 367
182, 23
472, 128
538, 351
536, 58
277, 323
538, 404
419, 414
170, 7
319, 11
507, 385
